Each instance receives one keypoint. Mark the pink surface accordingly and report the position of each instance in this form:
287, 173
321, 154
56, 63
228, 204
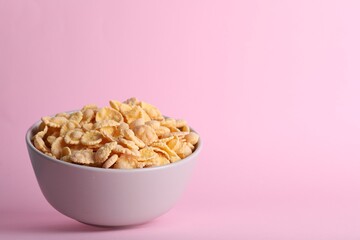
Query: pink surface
272, 87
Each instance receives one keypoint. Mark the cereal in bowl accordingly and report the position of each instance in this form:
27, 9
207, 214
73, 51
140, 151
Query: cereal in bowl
124, 135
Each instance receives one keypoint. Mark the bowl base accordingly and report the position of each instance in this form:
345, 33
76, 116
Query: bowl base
125, 226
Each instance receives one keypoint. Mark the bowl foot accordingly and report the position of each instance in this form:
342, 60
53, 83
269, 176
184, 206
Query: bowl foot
125, 226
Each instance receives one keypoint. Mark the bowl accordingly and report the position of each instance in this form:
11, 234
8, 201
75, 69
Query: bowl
109, 197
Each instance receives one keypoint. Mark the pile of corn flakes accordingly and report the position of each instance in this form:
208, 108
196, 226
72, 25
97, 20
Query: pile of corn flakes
124, 135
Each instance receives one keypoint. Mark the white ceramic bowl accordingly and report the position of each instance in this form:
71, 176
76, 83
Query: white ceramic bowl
109, 197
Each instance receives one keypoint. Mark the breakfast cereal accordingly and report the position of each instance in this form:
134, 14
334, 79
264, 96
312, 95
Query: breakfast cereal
123, 135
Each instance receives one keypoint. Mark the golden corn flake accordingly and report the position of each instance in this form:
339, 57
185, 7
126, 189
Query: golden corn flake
180, 123
159, 150
152, 111
192, 147
184, 150
130, 135
53, 132
110, 133
40, 144
110, 161
173, 129
88, 126
103, 153
192, 138
65, 158
169, 123
50, 139
95, 147
137, 122
66, 151
92, 137
70, 125
88, 115
122, 150
83, 157
172, 154
76, 116
73, 136
57, 146
123, 126
146, 134
154, 124
108, 113
119, 106
125, 135
106, 123
125, 162
159, 160
179, 134
42, 132
185, 128
41, 127
132, 101
90, 106
65, 115
174, 143
55, 122
162, 131
166, 139
127, 143
136, 113
146, 154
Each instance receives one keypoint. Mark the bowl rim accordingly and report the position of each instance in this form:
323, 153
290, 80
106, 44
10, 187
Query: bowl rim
193, 155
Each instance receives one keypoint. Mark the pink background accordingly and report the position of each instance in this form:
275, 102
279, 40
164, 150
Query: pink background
272, 87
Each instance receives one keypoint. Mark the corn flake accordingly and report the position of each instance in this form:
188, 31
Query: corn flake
110, 133
172, 154
76, 116
55, 122
70, 125
192, 138
137, 122
159, 160
126, 162
122, 150
50, 139
57, 146
130, 135
119, 106
74, 136
92, 137
40, 144
159, 150
184, 150
106, 123
154, 124
127, 143
110, 161
136, 113
152, 111
108, 113
88, 115
83, 157
147, 153
146, 134
66, 151
103, 153
169, 123
132, 101
88, 126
